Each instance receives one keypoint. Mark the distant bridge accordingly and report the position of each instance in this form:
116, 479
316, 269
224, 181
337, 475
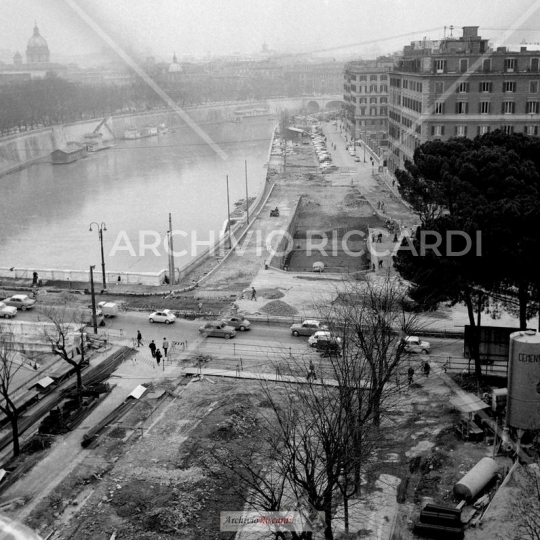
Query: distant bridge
311, 104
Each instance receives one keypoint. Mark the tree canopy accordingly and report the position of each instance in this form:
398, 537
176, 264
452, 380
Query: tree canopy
488, 188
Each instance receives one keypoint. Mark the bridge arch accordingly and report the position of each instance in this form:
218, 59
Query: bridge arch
312, 107
334, 105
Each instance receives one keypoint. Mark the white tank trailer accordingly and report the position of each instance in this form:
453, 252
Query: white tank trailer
476, 479
523, 405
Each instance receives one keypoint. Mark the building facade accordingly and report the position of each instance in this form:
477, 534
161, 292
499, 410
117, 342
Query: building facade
365, 92
460, 88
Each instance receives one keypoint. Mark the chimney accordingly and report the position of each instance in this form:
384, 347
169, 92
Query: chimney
501, 49
523, 49
470, 32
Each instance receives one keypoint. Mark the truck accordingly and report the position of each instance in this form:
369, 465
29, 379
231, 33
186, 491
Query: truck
108, 309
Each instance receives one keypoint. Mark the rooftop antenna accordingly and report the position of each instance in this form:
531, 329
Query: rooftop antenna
444, 35
451, 30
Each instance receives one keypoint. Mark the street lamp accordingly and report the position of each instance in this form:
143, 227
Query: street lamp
94, 317
100, 229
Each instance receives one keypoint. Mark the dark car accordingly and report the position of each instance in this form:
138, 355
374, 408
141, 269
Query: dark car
217, 329
238, 321
20, 301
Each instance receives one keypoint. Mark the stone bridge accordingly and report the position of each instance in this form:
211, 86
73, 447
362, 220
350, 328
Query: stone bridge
310, 104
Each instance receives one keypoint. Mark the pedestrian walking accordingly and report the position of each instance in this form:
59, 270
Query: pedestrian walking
158, 356
200, 307
427, 369
380, 265
165, 346
139, 338
410, 375
253, 294
35, 278
395, 238
379, 238
152, 348
311, 376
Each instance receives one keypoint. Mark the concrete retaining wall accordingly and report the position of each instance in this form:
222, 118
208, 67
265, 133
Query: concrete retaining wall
282, 244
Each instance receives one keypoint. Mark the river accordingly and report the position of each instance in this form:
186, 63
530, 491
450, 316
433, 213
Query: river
46, 210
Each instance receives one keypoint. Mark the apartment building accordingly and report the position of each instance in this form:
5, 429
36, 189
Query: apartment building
460, 87
366, 98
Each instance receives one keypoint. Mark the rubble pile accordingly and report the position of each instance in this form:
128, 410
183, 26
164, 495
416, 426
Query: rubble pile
279, 308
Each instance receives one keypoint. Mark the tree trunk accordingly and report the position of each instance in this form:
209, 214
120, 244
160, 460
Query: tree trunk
475, 344
523, 296
15, 432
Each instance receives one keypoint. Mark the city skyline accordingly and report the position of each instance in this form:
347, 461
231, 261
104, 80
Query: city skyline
336, 27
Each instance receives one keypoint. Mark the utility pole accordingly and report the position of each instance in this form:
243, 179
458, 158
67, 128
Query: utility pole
247, 195
171, 254
228, 213
92, 292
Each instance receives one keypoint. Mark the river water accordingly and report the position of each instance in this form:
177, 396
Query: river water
46, 210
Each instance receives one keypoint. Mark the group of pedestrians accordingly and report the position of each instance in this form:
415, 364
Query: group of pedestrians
410, 372
154, 349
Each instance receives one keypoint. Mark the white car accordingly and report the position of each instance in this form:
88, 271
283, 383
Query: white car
320, 336
414, 344
7, 311
164, 316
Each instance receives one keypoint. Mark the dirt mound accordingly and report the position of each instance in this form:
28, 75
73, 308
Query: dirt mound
277, 307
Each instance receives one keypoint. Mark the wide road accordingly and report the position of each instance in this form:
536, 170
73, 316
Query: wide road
259, 348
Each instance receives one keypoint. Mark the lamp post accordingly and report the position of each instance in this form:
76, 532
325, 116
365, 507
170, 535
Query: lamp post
100, 229
94, 317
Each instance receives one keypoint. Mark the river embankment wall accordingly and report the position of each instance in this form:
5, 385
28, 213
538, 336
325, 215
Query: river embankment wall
20, 150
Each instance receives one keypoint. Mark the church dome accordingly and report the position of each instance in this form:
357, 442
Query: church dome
37, 50
37, 40
175, 66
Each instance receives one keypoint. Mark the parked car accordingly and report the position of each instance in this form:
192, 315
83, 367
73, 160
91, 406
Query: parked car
7, 311
164, 316
414, 344
322, 335
307, 328
239, 322
20, 301
217, 329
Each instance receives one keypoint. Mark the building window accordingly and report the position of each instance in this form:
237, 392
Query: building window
440, 66
463, 65
532, 107
373, 100
508, 129
531, 130
485, 107
486, 65
533, 87
461, 131
508, 107
462, 87
485, 87
384, 100
462, 107
534, 64
373, 89
362, 100
384, 88
437, 131
439, 107
373, 77
439, 87
362, 78
510, 64
509, 86
384, 112
482, 130
353, 87
384, 77
362, 111
373, 111
405, 84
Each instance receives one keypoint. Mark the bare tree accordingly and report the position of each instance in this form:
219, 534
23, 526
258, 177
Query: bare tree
66, 333
371, 319
11, 362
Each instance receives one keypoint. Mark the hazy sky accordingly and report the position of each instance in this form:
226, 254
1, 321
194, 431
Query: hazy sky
197, 27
